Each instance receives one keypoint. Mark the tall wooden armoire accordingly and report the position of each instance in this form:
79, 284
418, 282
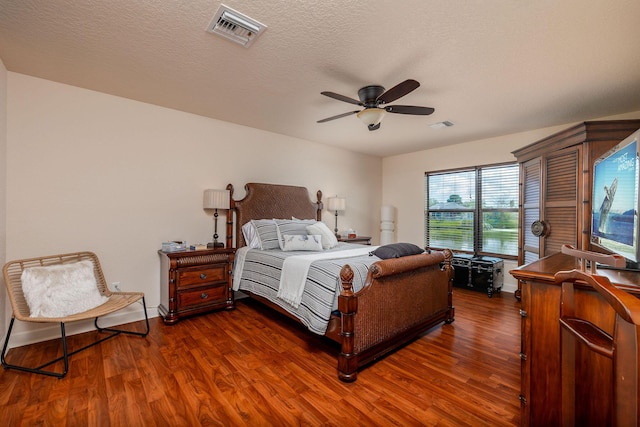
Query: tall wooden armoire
555, 186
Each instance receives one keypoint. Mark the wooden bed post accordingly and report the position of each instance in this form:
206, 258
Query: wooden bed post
451, 313
320, 205
348, 306
232, 208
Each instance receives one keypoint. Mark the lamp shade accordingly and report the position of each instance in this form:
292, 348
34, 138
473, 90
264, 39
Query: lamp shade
336, 203
387, 213
216, 199
371, 116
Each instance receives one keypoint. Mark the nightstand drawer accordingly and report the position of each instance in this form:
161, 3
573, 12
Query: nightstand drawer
201, 276
202, 296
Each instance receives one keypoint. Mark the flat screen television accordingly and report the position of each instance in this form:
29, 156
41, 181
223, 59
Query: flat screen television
614, 216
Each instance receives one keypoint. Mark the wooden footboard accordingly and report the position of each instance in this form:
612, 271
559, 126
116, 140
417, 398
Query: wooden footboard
401, 299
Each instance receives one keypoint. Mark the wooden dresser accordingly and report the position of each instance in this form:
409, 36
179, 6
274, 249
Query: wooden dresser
541, 391
194, 282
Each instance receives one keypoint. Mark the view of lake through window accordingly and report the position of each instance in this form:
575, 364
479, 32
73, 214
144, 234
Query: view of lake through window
473, 210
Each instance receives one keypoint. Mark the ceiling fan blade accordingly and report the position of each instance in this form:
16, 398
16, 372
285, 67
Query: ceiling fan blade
338, 116
409, 109
341, 97
398, 91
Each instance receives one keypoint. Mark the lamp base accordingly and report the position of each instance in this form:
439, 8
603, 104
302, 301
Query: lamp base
212, 245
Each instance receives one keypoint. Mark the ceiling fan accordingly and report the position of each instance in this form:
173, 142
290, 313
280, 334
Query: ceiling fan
374, 99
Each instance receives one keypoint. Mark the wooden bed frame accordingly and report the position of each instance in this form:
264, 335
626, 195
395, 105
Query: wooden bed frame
402, 297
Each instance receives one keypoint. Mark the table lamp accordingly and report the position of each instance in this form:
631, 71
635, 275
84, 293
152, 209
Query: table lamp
216, 199
336, 204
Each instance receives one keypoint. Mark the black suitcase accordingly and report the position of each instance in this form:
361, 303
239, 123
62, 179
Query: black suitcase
480, 273
487, 273
462, 269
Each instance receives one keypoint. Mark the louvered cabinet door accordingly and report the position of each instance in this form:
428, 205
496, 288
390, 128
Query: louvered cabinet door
531, 177
560, 199
550, 203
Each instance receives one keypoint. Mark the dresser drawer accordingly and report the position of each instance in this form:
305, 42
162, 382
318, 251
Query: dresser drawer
201, 276
202, 296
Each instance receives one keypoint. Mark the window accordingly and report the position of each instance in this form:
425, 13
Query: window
473, 210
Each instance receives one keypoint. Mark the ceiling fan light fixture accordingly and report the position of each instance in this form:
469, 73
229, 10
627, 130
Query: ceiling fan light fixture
374, 99
371, 116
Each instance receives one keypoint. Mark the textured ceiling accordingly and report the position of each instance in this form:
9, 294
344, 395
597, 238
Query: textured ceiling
491, 67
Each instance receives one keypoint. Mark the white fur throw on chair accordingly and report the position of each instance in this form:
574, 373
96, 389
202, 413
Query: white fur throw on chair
61, 290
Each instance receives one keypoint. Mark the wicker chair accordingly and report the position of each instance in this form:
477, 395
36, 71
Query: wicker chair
117, 300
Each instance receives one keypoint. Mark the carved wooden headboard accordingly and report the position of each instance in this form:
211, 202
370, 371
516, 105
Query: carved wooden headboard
268, 201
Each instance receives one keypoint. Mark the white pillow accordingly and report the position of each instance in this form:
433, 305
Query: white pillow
61, 290
301, 242
329, 240
250, 234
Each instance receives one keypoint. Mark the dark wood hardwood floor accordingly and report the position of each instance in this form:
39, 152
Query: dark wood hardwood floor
233, 368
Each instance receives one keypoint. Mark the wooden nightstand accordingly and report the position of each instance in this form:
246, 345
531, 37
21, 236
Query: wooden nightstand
363, 240
194, 282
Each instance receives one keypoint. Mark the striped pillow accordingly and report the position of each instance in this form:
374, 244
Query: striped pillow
291, 227
266, 230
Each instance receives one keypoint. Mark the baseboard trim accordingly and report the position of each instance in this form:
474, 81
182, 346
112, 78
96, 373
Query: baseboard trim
510, 288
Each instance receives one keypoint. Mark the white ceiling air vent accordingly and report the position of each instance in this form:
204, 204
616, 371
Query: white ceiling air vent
441, 125
235, 26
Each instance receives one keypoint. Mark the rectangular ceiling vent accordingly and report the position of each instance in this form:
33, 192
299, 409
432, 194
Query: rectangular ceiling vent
235, 26
441, 125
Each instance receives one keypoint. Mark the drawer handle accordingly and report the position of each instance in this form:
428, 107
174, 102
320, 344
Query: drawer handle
203, 276
204, 295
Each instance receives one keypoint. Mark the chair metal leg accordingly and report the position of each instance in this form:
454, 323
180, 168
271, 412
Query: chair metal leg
66, 355
6, 341
122, 331
38, 369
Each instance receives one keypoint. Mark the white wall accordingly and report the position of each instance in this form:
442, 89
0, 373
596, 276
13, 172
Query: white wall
89, 171
4, 311
403, 177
